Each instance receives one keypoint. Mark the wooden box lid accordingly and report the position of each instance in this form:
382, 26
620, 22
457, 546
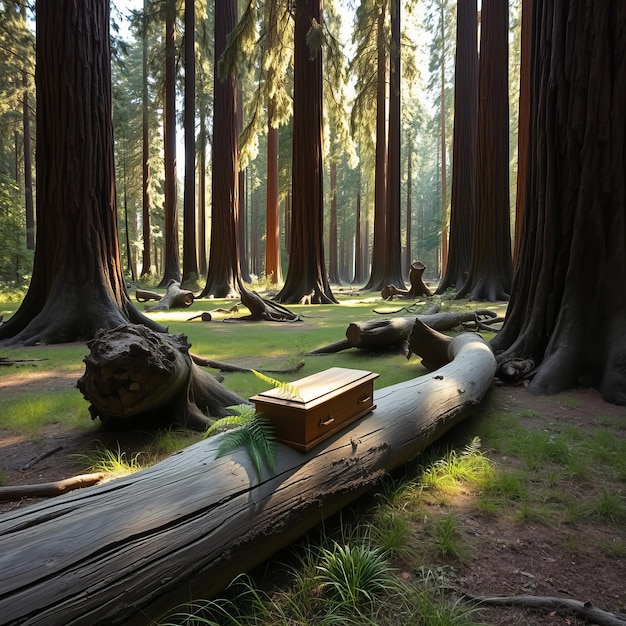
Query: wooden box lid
312, 390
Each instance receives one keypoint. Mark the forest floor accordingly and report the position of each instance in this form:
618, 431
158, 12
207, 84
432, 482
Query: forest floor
583, 559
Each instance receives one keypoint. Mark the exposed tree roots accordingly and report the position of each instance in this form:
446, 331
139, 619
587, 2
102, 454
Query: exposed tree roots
584, 609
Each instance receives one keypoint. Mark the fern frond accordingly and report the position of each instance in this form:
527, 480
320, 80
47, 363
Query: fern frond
290, 391
256, 436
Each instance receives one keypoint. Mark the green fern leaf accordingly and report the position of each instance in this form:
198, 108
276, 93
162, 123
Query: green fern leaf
290, 391
256, 436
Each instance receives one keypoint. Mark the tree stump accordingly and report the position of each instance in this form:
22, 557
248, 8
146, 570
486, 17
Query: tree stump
133, 374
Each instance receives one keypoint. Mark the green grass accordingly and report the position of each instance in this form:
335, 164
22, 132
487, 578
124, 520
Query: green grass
114, 463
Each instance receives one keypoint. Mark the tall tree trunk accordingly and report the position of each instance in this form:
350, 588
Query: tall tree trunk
172, 259
224, 274
408, 254
190, 256
333, 234
376, 279
444, 169
202, 259
523, 125
28, 169
272, 225
491, 270
568, 304
306, 278
359, 274
146, 261
242, 220
462, 206
392, 274
77, 285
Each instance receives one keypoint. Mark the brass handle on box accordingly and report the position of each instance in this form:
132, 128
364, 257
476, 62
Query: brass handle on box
329, 420
364, 399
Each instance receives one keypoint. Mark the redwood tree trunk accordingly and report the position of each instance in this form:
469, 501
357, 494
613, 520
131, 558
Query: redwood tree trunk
171, 270
462, 207
306, 278
392, 274
146, 260
224, 274
568, 305
77, 285
190, 257
333, 235
376, 279
491, 270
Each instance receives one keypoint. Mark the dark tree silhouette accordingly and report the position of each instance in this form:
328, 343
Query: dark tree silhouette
171, 270
224, 273
306, 277
77, 285
491, 270
568, 304
462, 206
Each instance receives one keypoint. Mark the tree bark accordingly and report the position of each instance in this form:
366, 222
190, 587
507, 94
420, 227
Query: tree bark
185, 527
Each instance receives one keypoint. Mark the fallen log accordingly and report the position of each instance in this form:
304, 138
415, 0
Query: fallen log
174, 298
133, 548
393, 333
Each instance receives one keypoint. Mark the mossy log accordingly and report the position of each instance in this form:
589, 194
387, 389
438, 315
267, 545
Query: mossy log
129, 550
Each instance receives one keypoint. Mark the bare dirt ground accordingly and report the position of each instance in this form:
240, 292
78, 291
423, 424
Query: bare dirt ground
506, 559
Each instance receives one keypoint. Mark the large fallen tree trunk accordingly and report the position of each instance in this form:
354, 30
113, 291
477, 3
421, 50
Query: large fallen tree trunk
393, 333
132, 548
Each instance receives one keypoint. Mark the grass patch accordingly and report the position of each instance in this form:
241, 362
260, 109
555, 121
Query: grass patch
114, 463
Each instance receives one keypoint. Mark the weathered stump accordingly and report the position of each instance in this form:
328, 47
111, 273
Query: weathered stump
134, 374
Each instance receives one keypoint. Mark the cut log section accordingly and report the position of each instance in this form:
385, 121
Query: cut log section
174, 298
131, 549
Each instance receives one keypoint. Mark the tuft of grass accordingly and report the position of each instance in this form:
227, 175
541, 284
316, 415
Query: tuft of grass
354, 575
610, 507
391, 531
469, 469
111, 462
508, 486
447, 537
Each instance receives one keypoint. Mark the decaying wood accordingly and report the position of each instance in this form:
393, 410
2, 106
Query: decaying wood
133, 373
130, 549
46, 490
174, 298
585, 610
393, 333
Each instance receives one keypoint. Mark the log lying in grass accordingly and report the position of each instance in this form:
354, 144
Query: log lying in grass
393, 333
174, 298
130, 549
